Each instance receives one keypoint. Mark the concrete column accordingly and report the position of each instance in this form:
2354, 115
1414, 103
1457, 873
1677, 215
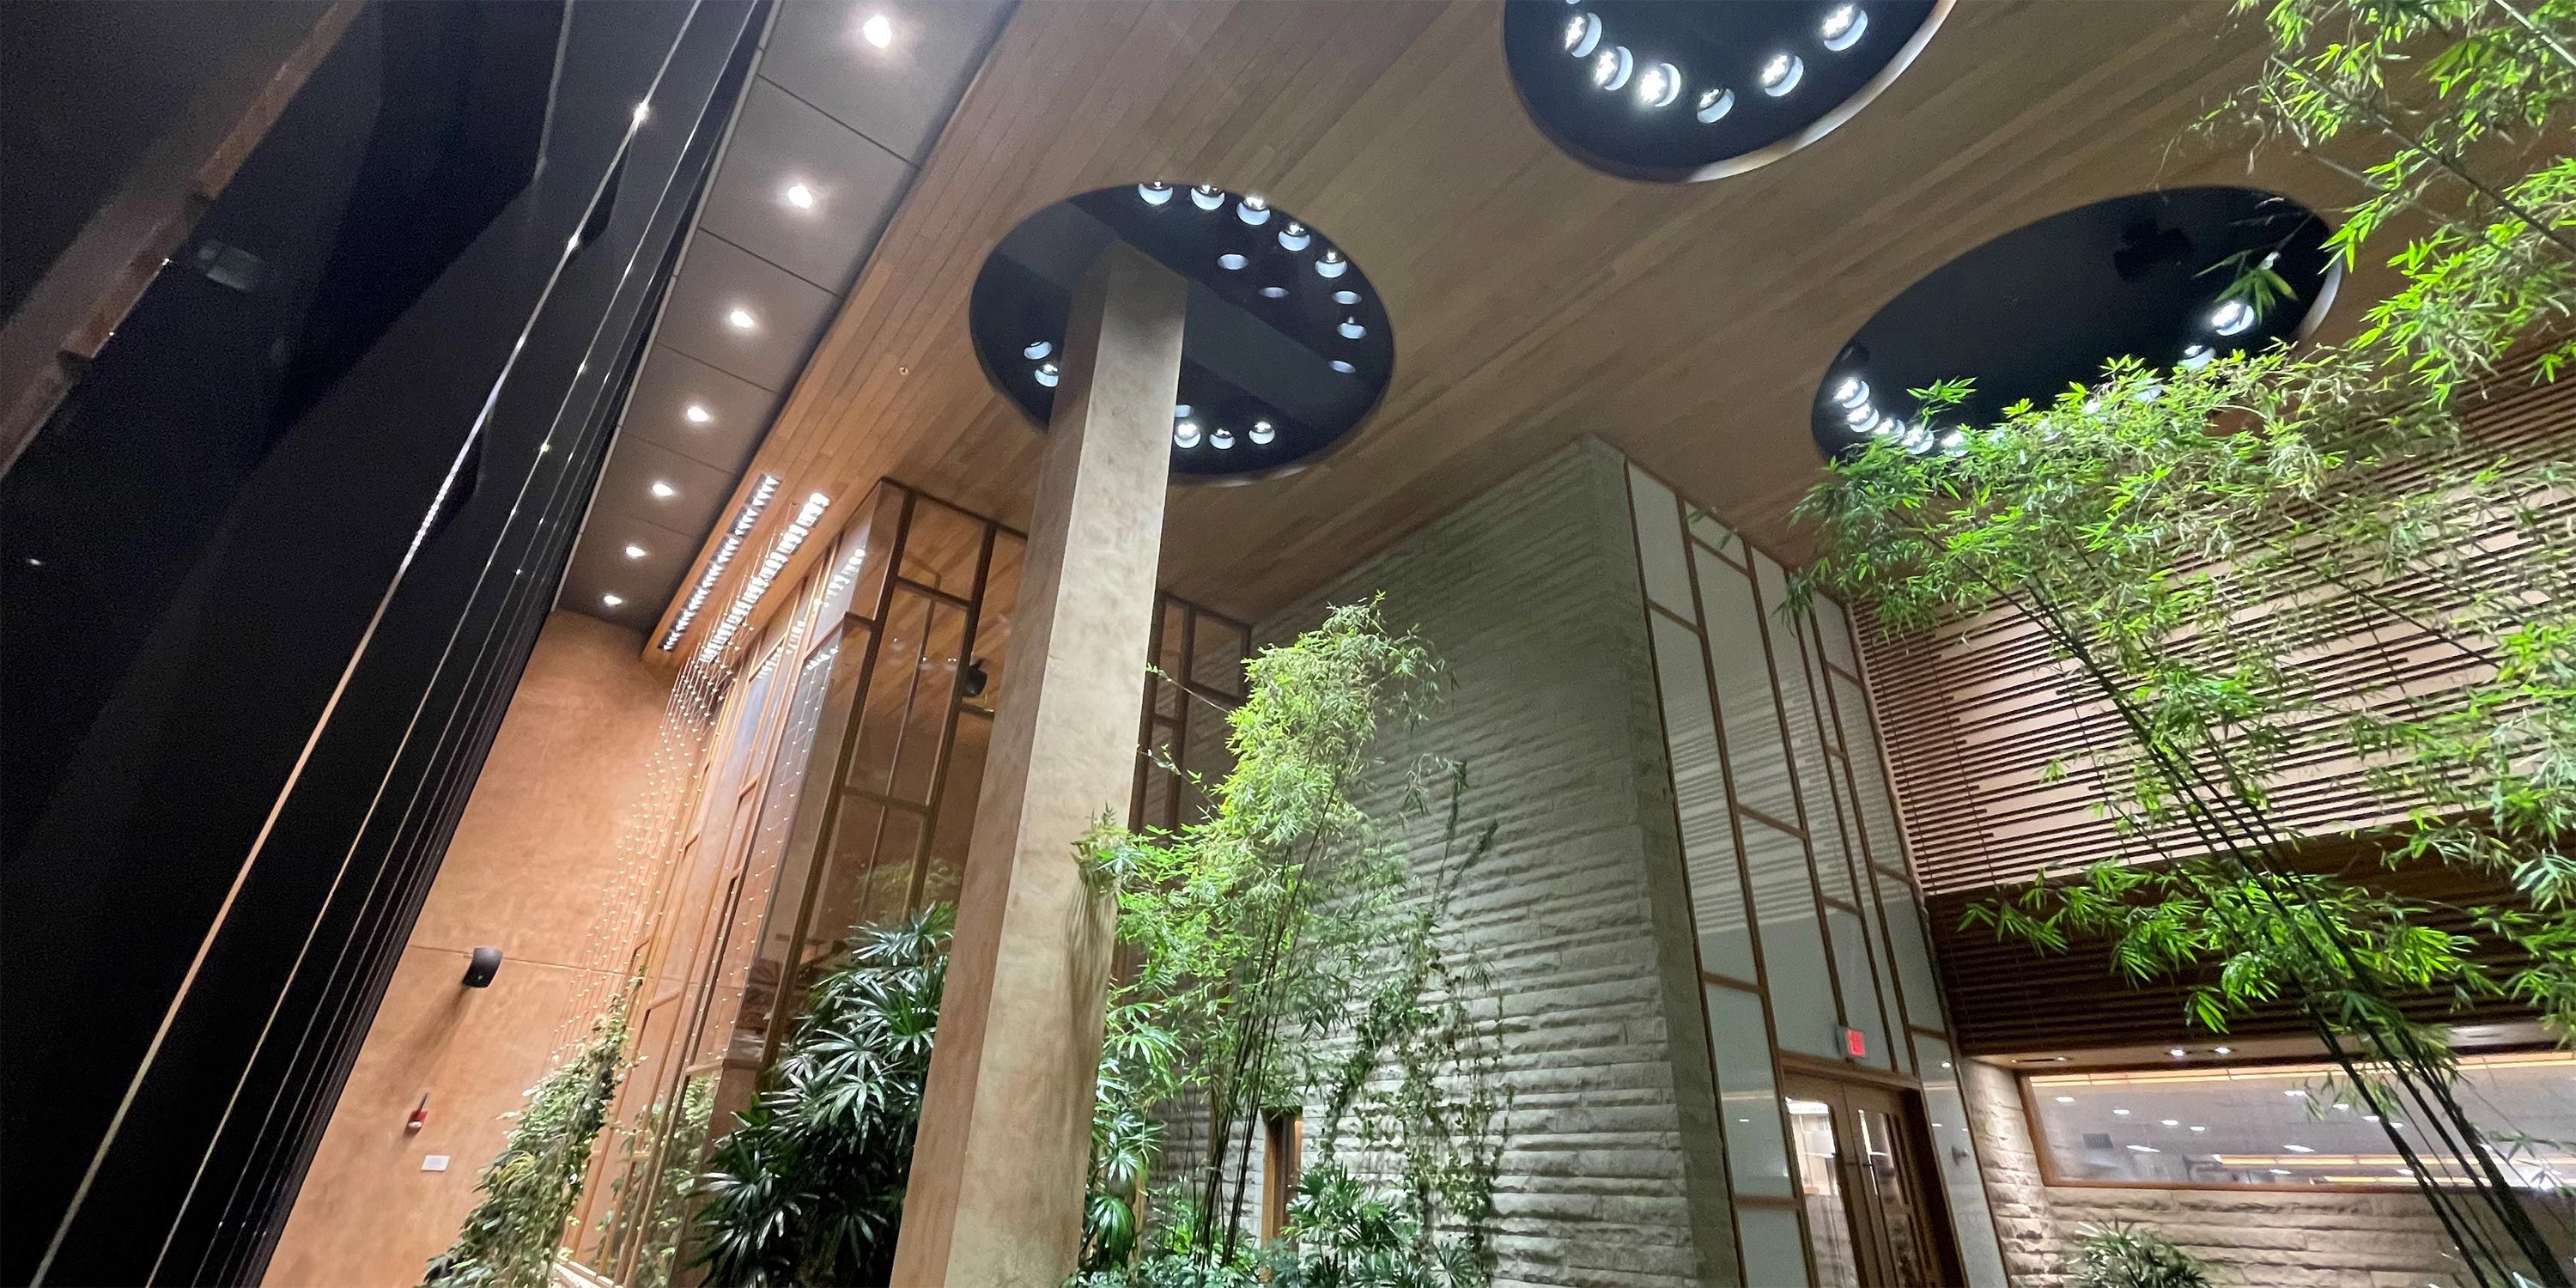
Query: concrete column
997, 1174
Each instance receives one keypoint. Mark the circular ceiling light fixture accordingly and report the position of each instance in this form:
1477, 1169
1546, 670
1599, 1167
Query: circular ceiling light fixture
2045, 306
1817, 63
1272, 377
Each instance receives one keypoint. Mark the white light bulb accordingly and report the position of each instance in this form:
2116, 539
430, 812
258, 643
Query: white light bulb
1331, 264
877, 31
612, 600
1294, 236
1612, 68
800, 196
1582, 34
1046, 374
1714, 105
1351, 329
1346, 297
1852, 392
1274, 292
1782, 74
2196, 357
1155, 193
741, 320
1343, 367
1221, 440
1843, 27
1659, 85
1253, 210
698, 415
1185, 435
1231, 261
2066, 1100
2170, 1122
634, 551
1036, 349
1181, 411
2232, 318
1263, 432
1207, 196
664, 490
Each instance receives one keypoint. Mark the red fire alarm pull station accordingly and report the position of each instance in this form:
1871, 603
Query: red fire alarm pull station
419, 1116
1855, 1045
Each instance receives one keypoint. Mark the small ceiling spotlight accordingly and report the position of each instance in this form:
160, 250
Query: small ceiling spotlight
663, 491
1254, 210
1346, 297
740, 319
877, 31
1185, 435
2234, 317
1262, 433
1782, 74
1714, 105
698, 414
1221, 440
1582, 34
2196, 357
1231, 261
1294, 236
1351, 329
1852, 392
1612, 68
800, 196
1274, 292
1036, 349
1343, 367
1155, 193
1046, 374
1859, 414
1331, 264
1953, 442
1659, 85
1207, 196
2176, 1052
1843, 27
634, 551
2222, 1050
1181, 411
612, 600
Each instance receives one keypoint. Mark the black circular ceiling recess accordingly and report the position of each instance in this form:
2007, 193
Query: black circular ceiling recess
1286, 348
2044, 306
1677, 90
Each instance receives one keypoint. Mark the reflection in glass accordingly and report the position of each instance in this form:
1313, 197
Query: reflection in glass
1954, 1153
1699, 792
1829, 1228
1741, 1048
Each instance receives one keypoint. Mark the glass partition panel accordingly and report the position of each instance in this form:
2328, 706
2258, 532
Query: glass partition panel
1699, 797
1775, 1254
1659, 542
1820, 1176
1954, 1150
1747, 1095
2294, 1126
1748, 714
1913, 959
1860, 1004
1793, 943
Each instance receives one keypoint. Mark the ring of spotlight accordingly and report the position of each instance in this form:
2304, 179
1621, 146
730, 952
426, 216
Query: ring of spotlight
1285, 351
1682, 90
2046, 305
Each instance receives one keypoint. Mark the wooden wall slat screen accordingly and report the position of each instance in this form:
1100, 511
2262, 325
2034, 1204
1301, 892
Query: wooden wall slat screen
1973, 712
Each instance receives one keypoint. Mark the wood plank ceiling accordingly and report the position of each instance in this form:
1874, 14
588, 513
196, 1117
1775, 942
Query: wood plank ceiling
1533, 300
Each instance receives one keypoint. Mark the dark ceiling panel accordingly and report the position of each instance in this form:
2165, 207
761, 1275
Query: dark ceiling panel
602, 568
850, 186
898, 95
671, 384
698, 491
787, 313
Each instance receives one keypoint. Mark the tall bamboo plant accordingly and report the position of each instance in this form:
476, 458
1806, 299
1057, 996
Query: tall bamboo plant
2193, 544
513, 1235
1257, 935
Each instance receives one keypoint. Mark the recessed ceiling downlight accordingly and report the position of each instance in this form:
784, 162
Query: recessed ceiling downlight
1294, 236
1207, 196
1036, 349
1331, 264
1815, 63
1231, 261
1155, 193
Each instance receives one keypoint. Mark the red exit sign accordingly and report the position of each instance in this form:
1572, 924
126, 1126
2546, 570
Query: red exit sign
1855, 1045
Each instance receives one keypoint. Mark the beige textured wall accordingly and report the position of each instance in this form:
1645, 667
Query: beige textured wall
2272, 1240
535, 847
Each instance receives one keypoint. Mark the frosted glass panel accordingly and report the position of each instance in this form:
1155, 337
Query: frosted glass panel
1869, 776
1738, 1045
1744, 703
1699, 796
1714, 534
1860, 986
1775, 1255
1793, 943
1955, 1150
1659, 542
1835, 629
1913, 962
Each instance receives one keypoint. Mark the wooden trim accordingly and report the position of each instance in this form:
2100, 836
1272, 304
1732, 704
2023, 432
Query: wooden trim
1848, 1071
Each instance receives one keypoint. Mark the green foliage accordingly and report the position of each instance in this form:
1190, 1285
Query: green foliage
658, 1214
2121, 1255
1280, 947
2195, 544
809, 1188
513, 1234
